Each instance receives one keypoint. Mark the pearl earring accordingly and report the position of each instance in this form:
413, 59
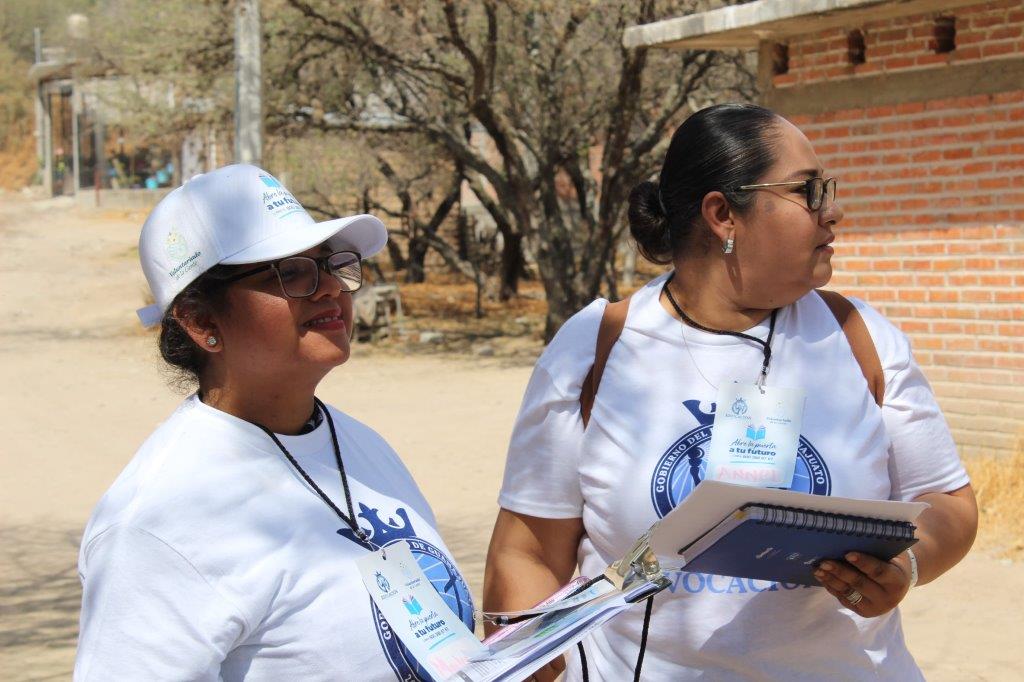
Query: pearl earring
211, 341
728, 245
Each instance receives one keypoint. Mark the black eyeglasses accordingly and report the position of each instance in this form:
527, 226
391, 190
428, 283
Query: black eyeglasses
300, 275
815, 189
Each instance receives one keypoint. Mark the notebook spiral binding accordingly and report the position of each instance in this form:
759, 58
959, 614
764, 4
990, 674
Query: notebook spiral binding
856, 526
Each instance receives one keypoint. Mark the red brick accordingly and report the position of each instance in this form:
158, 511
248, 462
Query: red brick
993, 183
986, 20
1015, 361
930, 280
976, 296
930, 249
998, 49
958, 343
917, 327
1003, 32
948, 264
943, 296
930, 59
980, 328
978, 167
947, 327
898, 280
910, 108
1010, 97
966, 53
963, 153
964, 247
1010, 133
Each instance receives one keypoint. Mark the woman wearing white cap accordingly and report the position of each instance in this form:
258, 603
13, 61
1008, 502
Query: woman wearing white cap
226, 548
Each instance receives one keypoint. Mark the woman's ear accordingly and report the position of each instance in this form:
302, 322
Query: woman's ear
718, 215
200, 326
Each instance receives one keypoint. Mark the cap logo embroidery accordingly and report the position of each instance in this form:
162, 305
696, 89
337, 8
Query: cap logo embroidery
177, 248
281, 203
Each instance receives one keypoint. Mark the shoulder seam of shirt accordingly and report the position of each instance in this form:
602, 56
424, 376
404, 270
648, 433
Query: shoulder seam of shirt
906, 362
129, 527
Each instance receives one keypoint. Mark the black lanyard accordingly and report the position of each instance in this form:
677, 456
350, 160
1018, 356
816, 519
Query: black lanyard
349, 520
766, 344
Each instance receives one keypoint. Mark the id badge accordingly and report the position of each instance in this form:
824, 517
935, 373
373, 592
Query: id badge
755, 435
431, 631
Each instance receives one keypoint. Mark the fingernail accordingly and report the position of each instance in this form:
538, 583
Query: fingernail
826, 566
819, 574
853, 557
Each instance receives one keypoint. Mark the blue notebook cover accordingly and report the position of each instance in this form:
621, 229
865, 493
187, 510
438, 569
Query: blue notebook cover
785, 545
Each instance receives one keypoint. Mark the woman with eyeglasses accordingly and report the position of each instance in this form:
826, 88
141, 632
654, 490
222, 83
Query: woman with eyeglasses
618, 418
225, 550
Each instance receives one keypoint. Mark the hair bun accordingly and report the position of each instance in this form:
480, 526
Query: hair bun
649, 224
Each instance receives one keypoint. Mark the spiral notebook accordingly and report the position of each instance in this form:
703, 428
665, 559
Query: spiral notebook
786, 544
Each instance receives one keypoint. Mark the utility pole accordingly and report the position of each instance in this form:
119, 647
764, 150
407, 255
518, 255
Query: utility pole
248, 83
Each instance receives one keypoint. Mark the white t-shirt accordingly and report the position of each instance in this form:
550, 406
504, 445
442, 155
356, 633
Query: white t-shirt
210, 558
646, 443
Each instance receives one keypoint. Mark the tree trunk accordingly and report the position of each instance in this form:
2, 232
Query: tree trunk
416, 272
398, 262
555, 266
511, 265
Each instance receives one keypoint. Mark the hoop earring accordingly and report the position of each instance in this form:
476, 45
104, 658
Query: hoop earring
211, 341
728, 245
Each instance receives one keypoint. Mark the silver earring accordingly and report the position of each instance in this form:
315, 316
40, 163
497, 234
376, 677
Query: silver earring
727, 246
211, 341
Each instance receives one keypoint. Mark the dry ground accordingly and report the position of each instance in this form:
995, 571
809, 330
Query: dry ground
81, 388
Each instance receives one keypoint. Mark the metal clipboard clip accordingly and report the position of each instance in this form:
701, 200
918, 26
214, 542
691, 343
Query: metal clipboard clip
637, 567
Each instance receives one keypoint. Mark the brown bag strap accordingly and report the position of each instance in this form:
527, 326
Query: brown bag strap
612, 323
859, 338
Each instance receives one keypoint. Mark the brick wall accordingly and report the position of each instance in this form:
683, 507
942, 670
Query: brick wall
933, 192
983, 32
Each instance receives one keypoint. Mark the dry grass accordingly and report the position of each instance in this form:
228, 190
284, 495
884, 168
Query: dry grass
18, 162
999, 485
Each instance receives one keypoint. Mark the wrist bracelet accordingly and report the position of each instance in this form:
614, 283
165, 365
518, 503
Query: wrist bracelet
913, 567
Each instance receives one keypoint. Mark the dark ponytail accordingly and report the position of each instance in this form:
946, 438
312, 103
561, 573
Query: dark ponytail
716, 149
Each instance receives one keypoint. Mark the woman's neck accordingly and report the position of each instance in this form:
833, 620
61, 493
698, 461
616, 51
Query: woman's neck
280, 411
707, 296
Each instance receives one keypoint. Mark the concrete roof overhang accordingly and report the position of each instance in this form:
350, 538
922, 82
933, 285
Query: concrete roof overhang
48, 71
745, 26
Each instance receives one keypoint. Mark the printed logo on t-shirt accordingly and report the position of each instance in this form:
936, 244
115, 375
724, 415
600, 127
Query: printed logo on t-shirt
441, 571
682, 467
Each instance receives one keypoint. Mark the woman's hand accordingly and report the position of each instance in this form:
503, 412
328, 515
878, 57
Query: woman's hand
880, 584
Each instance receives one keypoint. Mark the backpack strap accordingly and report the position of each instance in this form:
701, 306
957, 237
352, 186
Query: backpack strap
612, 322
859, 338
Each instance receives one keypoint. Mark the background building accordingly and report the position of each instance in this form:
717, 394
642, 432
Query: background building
918, 108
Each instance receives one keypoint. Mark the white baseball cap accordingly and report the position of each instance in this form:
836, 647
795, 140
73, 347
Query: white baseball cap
233, 216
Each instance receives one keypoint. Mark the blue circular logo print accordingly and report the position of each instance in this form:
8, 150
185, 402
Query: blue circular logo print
448, 582
683, 466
